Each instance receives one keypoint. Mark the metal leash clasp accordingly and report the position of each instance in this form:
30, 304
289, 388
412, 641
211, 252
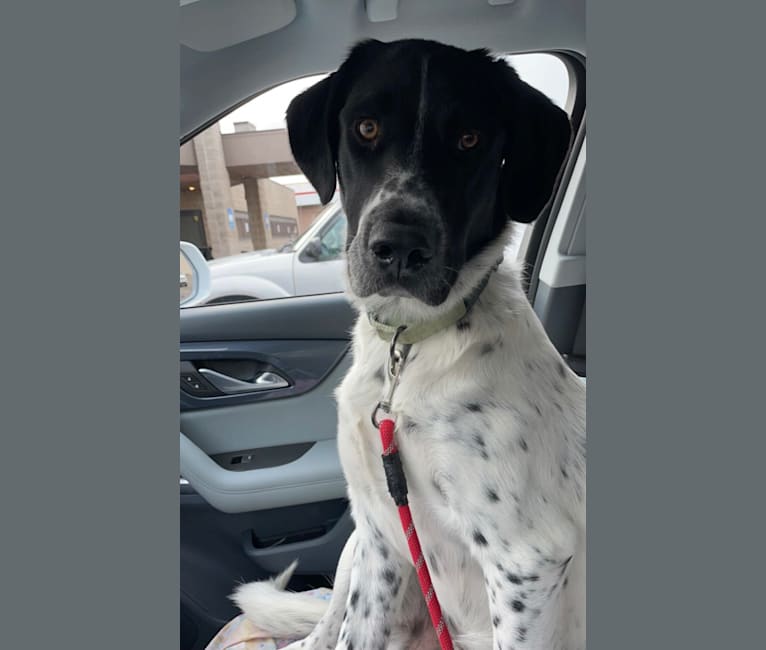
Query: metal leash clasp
397, 356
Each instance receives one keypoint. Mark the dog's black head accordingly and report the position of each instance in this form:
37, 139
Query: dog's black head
435, 148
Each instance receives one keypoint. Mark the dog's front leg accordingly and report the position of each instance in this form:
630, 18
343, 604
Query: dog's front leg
524, 586
373, 605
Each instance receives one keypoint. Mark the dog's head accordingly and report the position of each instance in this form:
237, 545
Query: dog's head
435, 149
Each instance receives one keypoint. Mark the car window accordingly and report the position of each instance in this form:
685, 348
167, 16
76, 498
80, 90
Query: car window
333, 240
246, 206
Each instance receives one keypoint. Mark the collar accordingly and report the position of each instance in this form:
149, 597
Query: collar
411, 334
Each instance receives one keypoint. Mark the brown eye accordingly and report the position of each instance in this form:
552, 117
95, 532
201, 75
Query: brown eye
468, 140
368, 129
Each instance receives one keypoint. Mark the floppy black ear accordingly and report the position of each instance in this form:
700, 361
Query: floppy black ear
537, 143
310, 140
312, 121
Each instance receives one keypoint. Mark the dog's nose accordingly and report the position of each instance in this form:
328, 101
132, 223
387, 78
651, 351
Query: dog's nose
408, 248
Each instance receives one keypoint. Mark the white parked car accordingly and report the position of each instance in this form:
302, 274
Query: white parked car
312, 264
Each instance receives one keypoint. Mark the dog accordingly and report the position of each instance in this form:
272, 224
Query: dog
436, 151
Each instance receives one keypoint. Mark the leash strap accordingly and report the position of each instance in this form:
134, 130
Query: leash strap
397, 486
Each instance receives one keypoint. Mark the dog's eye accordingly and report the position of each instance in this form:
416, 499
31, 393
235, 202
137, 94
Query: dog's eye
368, 129
468, 140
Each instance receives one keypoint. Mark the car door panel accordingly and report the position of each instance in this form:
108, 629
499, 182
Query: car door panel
315, 476
265, 486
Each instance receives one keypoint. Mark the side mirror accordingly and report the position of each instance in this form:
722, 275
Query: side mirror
313, 250
195, 276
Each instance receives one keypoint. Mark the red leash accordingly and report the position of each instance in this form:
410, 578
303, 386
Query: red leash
397, 486
392, 463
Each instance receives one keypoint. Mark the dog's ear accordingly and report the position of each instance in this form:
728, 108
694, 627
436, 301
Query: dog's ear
537, 141
312, 121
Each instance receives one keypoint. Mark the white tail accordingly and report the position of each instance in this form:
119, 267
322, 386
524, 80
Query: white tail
276, 611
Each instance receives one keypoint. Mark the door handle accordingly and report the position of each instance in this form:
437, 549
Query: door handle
233, 386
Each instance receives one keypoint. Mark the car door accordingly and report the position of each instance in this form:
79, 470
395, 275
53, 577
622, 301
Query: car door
261, 481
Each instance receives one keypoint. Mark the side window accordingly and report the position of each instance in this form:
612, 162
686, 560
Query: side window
246, 206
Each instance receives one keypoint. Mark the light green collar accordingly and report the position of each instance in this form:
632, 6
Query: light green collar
420, 331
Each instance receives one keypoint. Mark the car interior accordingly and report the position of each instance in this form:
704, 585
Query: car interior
261, 482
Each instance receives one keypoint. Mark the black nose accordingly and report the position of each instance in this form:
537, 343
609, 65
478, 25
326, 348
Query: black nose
408, 248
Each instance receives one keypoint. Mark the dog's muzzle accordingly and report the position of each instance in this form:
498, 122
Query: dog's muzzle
401, 251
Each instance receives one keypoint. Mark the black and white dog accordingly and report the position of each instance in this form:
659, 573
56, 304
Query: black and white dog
436, 149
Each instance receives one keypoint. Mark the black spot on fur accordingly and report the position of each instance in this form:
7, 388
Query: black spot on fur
523, 444
537, 409
486, 348
492, 495
433, 564
513, 578
354, 598
495, 621
463, 325
518, 606
379, 375
533, 578
566, 581
481, 445
479, 538
564, 472
521, 634
474, 407
389, 576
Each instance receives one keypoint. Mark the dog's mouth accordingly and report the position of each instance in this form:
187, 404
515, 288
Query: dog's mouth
430, 287
431, 290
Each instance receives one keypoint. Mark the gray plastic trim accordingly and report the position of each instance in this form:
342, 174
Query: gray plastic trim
564, 261
261, 457
315, 476
325, 316
308, 417
203, 26
560, 310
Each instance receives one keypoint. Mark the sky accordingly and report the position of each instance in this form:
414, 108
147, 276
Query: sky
267, 111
